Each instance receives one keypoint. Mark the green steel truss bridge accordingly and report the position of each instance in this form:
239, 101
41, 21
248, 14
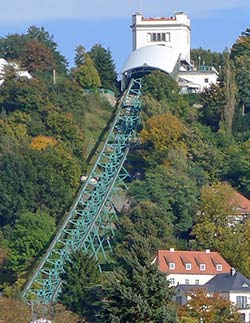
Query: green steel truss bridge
89, 224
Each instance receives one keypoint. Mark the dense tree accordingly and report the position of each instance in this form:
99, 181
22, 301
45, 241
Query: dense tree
160, 86
217, 228
105, 66
81, 276
205, 58
148, 220
137, 292
28, 238
12, 47
23, 94
163, 132
86, 74
40, 35
207, 309
173, 192
80, 53
213, 217
230, 95
37, 57
242, 45
213, 102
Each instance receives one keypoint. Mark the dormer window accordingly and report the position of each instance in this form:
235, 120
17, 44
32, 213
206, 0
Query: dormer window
171, 265
202, 267
219, 267
188, 266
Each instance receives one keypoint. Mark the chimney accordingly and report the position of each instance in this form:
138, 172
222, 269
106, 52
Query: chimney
207, 250
171, 249
232, 271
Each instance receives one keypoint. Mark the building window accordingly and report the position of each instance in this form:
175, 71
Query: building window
188, 266
171, 265
171, 281
202, 267
206, 80
241, 301
186, 281
158, 37
197, 282
219, 267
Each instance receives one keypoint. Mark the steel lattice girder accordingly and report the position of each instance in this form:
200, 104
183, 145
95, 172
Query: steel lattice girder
89, 223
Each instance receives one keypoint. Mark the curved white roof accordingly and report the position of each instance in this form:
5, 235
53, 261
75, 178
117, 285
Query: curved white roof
155, 56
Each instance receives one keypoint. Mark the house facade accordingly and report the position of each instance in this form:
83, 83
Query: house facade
172, 32
232, 286
190, 267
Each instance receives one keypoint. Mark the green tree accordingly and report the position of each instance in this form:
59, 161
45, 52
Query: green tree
23, 94
80, 55
86, 74
137, 291
147, 219
213, 102
206, 58
81, 276
242, 45
12, 47
230, 95
172, 191
29, 237
105, 66
160, 86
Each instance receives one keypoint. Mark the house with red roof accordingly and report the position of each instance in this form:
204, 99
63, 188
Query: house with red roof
190, 267
241, 206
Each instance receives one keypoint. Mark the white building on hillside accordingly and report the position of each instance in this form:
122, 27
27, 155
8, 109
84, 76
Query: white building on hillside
173, 32
190, 267
164, 44
4, 64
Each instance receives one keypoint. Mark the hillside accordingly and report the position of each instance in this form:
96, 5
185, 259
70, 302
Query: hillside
191, 156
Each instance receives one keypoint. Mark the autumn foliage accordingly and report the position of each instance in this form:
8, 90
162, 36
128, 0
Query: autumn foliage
41, 142
208, 309
163, 131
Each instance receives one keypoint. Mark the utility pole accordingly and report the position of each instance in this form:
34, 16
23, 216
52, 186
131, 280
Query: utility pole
54, 76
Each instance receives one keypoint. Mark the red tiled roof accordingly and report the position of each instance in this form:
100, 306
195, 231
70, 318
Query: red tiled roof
195, 258
241, 202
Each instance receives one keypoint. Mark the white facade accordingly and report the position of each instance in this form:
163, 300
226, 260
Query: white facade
172, 32
4, 64
242, 300
188, 279
197, 80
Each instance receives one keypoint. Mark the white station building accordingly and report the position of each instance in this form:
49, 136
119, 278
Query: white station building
164, 44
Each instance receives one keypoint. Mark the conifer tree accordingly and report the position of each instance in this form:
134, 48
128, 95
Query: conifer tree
105, 66
137, 291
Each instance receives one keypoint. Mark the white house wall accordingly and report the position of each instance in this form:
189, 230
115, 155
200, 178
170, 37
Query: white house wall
245, 311
180, 279
178, 27
205, 79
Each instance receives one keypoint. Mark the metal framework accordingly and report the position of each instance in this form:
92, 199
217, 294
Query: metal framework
89, 224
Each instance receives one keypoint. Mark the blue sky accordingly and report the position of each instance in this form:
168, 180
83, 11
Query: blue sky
216, 24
